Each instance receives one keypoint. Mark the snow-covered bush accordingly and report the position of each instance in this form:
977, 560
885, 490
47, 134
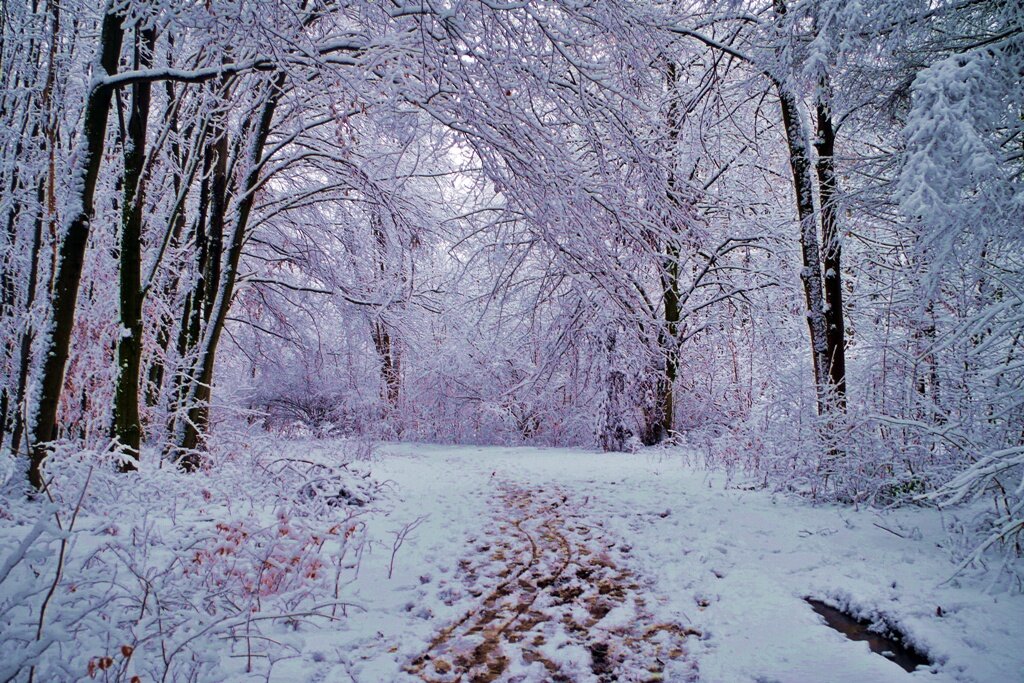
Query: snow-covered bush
168, 576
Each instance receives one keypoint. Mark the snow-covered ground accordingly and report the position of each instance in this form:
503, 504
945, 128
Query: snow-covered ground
541, 564
733, 565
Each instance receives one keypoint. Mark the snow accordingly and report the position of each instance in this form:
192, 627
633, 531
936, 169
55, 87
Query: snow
676, 575
733, 564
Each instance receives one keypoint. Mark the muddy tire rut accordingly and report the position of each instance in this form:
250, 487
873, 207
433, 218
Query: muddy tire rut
554, 603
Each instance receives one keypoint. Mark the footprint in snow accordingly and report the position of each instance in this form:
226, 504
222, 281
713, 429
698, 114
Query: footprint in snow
554, 594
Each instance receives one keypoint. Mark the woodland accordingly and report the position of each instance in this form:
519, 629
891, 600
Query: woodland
785, 236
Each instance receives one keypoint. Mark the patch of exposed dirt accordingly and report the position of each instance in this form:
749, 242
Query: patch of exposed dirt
554, 605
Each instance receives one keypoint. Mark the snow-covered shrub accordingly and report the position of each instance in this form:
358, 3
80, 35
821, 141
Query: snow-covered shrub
166, 576
961, 188
989, 432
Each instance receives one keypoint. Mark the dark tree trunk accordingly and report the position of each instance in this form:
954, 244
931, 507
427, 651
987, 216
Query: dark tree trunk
9, 300
25, 351
810, 274
390, 362
926, 379
46, 200
208, 237
180, 183
387, 350
8, 284
18, 182
127, 427
199, 396
828, 188
613, 431
155, 372
670, 345
215, 222
72, 247
668, 336
824, 309
194, 306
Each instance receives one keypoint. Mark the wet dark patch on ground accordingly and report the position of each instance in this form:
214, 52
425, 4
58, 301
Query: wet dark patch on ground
882, 639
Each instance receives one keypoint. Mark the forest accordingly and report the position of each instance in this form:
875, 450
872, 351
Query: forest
268, 266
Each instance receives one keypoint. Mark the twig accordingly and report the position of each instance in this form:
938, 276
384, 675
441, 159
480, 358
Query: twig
400, 537
60, 562
885, 528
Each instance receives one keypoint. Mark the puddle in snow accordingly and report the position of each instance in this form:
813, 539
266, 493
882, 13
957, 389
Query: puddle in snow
889, 646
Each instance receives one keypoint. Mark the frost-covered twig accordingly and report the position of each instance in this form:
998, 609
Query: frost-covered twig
400, 537
65, 536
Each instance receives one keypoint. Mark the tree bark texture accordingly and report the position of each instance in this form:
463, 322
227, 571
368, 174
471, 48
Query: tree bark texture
72, 247
127, 427
197, 405
828, 188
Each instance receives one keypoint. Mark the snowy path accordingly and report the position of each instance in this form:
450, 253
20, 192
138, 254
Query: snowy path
552, 592
544, 565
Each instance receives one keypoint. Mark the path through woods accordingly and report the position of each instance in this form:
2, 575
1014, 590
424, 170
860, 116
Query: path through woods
543, 573
567, 565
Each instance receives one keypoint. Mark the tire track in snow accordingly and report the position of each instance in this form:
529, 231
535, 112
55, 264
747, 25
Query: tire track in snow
555, 604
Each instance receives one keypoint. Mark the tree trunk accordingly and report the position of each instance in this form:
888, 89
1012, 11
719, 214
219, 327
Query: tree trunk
828, 188
9, 300
25, 351
10, 396
390, 361
810, 274
197, 405
127, 427
668, 336
613, 432
72, 247
669, 341
46, 200
180, 183
8, 287
208, 235
195, 301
